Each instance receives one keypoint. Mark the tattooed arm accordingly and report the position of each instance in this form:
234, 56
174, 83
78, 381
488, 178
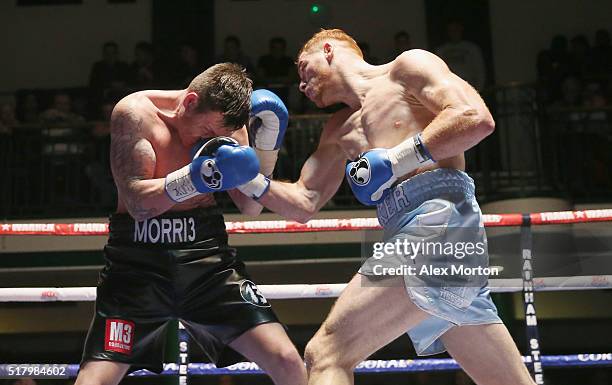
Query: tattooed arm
133, 165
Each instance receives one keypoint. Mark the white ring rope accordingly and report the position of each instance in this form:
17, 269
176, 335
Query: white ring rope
50, 294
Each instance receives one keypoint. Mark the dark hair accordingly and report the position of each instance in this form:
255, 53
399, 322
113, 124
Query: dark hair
602, 36
110, 44
144, 46
582, 40
401, 34
278, 40
225, 87
233, 39
455, 20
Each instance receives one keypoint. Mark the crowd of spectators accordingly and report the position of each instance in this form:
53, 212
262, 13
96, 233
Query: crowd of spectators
576, 72
575, 84
112, 77
572, 73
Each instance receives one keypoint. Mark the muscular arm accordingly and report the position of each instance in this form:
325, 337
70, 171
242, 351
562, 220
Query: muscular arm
319, 180
133, 166
462, 118
245, 204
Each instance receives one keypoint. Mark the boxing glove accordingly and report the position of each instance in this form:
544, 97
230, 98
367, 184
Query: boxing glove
267, 126
220, 164
371, 176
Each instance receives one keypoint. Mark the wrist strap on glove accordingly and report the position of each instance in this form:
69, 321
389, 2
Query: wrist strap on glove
256, 188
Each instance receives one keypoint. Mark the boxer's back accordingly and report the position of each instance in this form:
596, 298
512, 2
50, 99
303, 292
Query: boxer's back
146, 108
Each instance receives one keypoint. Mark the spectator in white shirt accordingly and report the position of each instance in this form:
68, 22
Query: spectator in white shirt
463, 57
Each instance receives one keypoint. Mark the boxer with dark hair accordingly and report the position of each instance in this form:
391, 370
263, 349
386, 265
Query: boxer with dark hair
167, 255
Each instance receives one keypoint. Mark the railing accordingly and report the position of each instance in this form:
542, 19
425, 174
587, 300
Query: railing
56, 171
542, 151
583, 139
51, 171
511, 161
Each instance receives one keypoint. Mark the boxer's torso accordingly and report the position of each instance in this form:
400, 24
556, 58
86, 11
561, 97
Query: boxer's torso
170, 153
388, 116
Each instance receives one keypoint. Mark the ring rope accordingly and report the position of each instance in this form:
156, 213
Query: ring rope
368, 366
332, 290
314, 225
71, 294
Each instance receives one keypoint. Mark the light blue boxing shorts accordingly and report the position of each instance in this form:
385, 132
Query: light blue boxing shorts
434, 217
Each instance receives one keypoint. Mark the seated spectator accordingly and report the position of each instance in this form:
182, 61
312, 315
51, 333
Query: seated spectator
602, 55
553, 65
581, 59
367, 56
463, 57
80, 105
98, 170
276, 66
187, 67
109, 76
101, 124
571, 92
61, 111
7, 118
594, 96
232, 53
28, 110
276, 70
142, 74
579, 109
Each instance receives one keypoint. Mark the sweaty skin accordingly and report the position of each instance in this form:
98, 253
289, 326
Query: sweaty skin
387, 104
152, 133
390, 114
151, 137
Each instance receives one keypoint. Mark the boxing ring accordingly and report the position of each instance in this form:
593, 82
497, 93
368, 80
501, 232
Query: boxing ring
528, 284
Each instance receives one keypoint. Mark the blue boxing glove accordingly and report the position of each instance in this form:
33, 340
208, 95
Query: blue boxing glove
267, 126
220, 164
371, 176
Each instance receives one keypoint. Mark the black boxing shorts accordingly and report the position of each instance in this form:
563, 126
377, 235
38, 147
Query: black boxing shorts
174, 266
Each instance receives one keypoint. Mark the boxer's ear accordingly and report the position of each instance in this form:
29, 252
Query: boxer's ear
191, 101
328, 51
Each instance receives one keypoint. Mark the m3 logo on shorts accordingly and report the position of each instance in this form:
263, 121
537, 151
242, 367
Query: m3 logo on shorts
119, 336
251, 294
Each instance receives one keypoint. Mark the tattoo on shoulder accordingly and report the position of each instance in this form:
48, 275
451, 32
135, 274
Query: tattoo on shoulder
132, 156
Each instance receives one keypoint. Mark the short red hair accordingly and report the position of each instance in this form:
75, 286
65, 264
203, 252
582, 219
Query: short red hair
331, 34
